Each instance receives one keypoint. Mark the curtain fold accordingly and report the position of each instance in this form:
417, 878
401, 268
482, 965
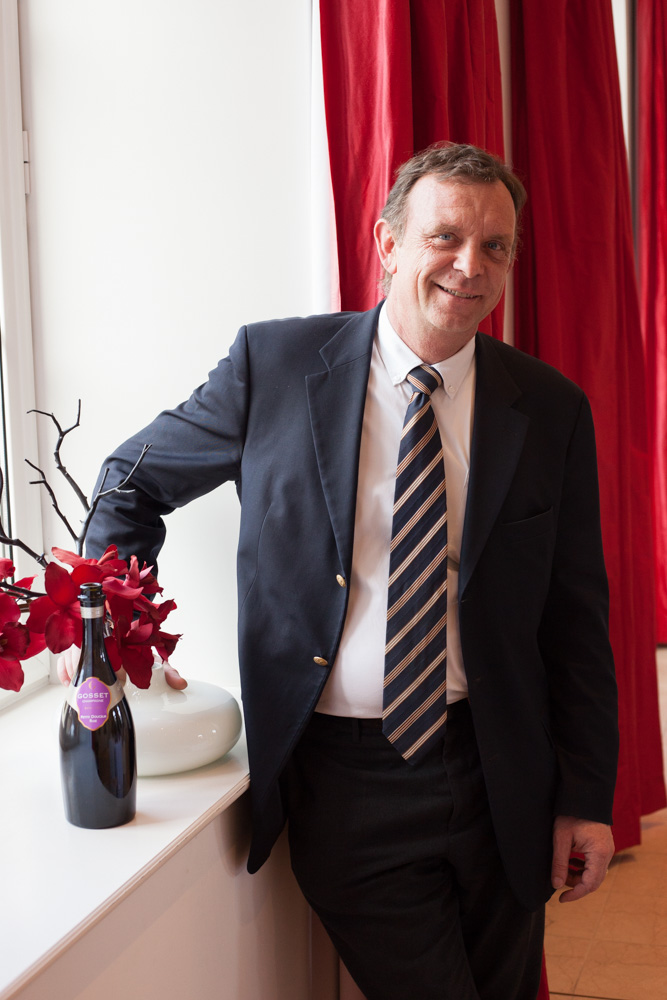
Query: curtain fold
366, 61
652, 245
577, 308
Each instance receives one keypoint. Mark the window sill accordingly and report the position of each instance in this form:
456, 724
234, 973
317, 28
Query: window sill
58, 880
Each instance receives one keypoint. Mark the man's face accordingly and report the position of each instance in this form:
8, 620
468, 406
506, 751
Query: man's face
448, 271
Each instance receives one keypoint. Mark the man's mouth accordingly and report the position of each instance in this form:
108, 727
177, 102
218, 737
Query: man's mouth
457, 294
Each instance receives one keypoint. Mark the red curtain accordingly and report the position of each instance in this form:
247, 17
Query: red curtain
577, 308
398, 76
652, 243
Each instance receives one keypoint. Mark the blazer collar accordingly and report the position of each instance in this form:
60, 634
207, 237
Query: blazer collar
353, 341
336, 399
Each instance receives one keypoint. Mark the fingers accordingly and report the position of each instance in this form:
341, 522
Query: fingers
67, 663
173, 678
595, 845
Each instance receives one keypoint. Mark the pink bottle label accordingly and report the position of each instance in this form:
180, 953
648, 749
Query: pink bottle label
93, 702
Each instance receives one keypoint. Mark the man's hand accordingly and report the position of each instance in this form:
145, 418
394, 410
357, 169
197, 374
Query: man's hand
68, 662
580, 836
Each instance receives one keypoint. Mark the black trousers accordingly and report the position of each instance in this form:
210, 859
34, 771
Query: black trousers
399, 861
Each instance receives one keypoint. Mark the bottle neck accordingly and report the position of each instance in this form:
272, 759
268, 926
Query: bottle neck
94, 661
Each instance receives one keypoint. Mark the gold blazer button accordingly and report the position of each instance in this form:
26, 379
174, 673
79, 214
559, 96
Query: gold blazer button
321, 661
341, 581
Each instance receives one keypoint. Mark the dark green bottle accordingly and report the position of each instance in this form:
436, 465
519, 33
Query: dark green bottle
97, 745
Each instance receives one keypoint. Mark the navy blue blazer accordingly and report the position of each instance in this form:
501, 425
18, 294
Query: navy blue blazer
281, 417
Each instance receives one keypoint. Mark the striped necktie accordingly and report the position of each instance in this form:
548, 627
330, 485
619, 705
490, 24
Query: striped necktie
415, 685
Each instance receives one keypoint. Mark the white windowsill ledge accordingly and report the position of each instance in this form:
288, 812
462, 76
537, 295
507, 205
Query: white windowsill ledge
57, 880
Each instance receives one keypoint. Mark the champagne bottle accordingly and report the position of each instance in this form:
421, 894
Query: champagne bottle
97, 744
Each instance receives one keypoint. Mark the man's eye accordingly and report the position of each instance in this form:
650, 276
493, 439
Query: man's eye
445, 236
494, 245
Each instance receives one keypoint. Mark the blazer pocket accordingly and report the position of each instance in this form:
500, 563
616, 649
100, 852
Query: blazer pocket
529, 527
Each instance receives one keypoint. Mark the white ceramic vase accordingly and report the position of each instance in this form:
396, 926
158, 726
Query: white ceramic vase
180, 730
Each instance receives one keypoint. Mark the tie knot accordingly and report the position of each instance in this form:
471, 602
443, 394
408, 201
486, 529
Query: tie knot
425, 379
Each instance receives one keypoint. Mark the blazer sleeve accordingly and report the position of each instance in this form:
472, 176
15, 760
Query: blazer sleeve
193, 448
574, 641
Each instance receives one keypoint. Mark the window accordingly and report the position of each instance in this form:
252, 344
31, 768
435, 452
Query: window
21, 503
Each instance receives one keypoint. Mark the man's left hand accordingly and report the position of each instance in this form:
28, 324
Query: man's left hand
68, 661
580, 836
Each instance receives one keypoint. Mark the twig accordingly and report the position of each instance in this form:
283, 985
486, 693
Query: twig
62, 434
120, 488
15, 591
54, 502
16, 542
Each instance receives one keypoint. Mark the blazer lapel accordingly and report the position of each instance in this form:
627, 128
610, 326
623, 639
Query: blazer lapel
497, 439
336, 399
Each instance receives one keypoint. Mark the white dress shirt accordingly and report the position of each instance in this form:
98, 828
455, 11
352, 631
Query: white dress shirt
355, 685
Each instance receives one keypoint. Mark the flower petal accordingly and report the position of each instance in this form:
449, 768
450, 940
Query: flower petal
62, 630
15, 640
9, 609
138, 661
6, 568
140, 632
86, 573
111, 552
119, 588
165, 644
40, 611
59, 585
11, 675
36, 645
69, 558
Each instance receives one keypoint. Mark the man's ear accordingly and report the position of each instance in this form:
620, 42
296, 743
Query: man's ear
386, 245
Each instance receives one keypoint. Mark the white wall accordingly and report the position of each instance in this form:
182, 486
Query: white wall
170, 171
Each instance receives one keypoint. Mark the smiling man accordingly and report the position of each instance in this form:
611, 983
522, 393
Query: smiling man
448, 260
428, 685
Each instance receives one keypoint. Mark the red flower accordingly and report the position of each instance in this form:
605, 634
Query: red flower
57, 615
165, 644
54, 620
92, 570
143, 577
6, 568
130, 647
14, 642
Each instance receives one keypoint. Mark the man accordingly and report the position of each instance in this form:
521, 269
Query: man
440, 747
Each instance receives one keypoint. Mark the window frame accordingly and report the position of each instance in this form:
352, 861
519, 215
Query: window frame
16, 341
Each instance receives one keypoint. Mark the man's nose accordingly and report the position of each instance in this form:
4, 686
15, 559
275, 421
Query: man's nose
468, 260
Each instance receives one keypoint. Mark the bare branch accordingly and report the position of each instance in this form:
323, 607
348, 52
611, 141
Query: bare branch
11, 588
54, 502
16, 542
62, 434
120, 488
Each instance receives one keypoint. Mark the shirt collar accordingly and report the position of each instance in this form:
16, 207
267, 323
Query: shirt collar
399, 359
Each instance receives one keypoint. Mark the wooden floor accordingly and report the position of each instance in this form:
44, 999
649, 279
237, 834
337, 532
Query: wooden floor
613, 945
